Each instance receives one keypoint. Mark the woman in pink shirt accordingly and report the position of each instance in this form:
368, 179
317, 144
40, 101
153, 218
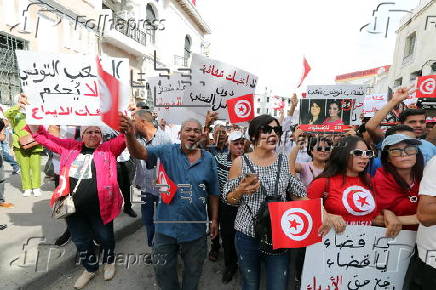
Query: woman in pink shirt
319, 149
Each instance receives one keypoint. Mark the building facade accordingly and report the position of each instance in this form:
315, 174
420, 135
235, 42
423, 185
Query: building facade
415, 48
131, 29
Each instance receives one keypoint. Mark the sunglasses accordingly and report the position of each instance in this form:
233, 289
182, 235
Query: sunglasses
323, 148
267, 129
362, 153
409, 150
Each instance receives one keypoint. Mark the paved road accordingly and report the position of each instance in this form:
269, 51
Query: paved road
141, 276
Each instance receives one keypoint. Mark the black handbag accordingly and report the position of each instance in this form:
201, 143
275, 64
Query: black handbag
262, 221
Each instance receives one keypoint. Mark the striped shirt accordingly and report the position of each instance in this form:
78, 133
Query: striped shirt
223, 162
249, 205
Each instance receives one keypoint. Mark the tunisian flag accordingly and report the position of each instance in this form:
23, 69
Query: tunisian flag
295, 224
63, 188
241, 109
306, 70
168, 191
109, 97
426, 87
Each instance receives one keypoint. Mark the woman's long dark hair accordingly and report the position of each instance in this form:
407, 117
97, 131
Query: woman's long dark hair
338, 162
321, 115
417, 169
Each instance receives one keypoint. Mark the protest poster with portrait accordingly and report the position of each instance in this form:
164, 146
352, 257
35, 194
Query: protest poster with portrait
63, 89
356, 92
326, 115
361, 258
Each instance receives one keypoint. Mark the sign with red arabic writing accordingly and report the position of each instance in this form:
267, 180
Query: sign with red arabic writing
374, 103
63, 89
359, 258
213, 83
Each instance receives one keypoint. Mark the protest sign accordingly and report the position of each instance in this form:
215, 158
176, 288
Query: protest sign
63, 89
168, 97
355, 92
213, 82
374, 103
360, 258
326, 115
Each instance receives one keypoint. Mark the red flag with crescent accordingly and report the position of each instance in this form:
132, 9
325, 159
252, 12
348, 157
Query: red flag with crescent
295, 224
63, 188
426, 87
167, 186
241, 109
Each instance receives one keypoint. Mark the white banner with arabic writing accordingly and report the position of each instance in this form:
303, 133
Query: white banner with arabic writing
360, 258
374, 103
62, 89
213, 83
168, 97
356, 92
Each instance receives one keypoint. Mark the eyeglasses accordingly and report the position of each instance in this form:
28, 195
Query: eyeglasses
323, 148
97, 132
409, 150
362, 153
267, 129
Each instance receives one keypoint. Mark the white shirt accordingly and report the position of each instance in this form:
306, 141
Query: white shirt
426, 236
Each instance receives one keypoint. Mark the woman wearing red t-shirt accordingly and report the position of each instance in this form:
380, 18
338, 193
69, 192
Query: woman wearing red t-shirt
396, 184
344, 185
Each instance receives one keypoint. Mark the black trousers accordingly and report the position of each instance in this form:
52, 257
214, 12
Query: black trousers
424, 276
227, 216
124, 170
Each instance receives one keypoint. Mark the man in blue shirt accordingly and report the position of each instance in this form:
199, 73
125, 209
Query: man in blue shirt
181, 224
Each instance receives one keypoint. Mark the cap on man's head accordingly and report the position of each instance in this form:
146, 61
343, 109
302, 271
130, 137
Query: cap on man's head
235, 135
398, 138
142, 105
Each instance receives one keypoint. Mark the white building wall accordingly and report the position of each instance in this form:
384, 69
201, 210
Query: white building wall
424, 54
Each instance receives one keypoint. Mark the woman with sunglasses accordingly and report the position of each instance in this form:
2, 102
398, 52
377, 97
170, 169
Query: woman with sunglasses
248, 191
345, 186
396, 183
319, 149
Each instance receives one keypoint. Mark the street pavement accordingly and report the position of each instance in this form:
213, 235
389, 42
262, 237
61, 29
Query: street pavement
29, 260
140, 275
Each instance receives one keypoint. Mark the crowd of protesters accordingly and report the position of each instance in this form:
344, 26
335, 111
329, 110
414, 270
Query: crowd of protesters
222, 177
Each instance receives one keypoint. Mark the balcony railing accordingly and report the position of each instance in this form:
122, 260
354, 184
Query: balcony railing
121, 25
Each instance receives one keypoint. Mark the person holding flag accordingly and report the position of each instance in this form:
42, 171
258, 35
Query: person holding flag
248, 191
89, 172
190, 176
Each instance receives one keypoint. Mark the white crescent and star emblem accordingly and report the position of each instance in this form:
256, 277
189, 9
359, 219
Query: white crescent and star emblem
296, 224
242, 108
428, 86
358, 200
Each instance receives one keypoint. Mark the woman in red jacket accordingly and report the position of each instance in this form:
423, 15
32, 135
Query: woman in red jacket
396, 184
344, 185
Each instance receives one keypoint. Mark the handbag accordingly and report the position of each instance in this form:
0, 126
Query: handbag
262, 221
64, 206
27, 141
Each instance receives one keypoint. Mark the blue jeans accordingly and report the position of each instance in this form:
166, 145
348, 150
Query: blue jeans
85, 228
249, 259
8, 158
193, 255
147, 212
